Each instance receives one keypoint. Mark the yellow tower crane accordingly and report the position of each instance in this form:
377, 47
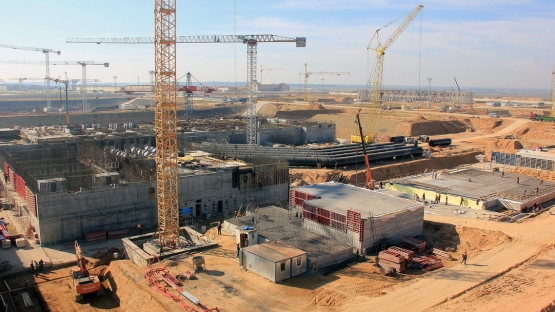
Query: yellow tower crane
376, 77
307, 74
165, 115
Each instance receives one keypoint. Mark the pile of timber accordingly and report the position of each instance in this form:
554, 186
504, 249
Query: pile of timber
391, 260
442, 254
428, 263
95, 236
405, 253
418, 244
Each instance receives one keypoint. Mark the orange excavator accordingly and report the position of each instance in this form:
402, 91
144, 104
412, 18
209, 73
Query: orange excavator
84, 282
370, 183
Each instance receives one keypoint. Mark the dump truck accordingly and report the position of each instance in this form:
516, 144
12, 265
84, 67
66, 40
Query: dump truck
538, 117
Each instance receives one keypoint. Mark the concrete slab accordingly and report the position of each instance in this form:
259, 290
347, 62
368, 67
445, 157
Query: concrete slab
482, 183
339, 197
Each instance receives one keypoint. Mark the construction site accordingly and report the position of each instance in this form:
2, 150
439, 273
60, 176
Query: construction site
196, 196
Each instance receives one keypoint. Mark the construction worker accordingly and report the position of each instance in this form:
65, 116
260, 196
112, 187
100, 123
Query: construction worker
139, 229
517, 180
464, 256
446, 199
462, 200
220, 228
238, 249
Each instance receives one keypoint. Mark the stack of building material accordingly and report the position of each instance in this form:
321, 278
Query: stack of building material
95, 236
418, 244
117, 234
391, 260
442, 254
428, 263
405, 253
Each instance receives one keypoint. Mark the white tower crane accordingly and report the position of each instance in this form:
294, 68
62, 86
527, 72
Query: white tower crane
307, 74
83, 70
250, 40
47, 56
269, 69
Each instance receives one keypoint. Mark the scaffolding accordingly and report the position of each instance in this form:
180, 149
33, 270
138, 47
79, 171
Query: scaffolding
284, 225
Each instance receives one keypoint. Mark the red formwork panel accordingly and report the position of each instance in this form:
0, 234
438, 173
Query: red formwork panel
31, 201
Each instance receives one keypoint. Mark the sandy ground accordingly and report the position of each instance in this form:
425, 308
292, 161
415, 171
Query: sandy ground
510, 267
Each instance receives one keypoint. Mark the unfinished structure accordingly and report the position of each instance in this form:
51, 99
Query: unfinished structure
360, 217
480, 188
70, 189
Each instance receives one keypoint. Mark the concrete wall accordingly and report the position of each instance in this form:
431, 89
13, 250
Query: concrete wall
320, 133
136, 254
328, 232
298, 135
66, 216
332, 258
393, 227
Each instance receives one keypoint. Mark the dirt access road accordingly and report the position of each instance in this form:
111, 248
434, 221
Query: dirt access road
529, 239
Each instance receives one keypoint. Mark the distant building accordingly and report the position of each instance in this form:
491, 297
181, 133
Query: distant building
273, 87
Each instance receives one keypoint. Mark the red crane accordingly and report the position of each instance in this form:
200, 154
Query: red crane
370, 183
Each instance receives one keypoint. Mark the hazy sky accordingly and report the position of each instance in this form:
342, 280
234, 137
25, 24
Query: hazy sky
483, 43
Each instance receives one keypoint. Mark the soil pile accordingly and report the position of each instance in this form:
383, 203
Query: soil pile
502, 145
312, 106
431, 127
125, 282
464, 238
537, 130
486, 125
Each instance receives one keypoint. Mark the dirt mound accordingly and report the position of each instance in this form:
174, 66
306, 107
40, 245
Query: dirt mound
315, 106
419, 118
464, 238
302, 177
486, 125
126, 282
431, 127
502, 145
537, 130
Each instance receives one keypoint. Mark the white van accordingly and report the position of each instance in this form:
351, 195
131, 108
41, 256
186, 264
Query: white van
494, 115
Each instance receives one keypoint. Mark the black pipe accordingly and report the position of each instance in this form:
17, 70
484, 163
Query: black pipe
397, 139
440, 142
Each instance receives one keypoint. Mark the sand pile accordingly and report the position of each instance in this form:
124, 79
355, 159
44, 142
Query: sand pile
315, 106
537, 130
501, 145
486, 125
475, 240
126, 282
431, 127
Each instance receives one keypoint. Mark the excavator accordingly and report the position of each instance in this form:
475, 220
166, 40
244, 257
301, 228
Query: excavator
370, 183
84, 282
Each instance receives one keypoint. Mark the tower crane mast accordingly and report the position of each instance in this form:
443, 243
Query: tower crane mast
307, 74
47, 56
21, 79
376, 78
165, 115
250, 40
83, 64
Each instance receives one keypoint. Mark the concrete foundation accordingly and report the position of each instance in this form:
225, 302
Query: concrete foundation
479, 189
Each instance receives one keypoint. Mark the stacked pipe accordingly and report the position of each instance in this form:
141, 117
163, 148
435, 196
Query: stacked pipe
329, 156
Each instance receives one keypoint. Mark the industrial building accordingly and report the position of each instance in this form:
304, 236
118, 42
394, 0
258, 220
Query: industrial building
273, 260
69, 189
483, 188
362, 218
273, 87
